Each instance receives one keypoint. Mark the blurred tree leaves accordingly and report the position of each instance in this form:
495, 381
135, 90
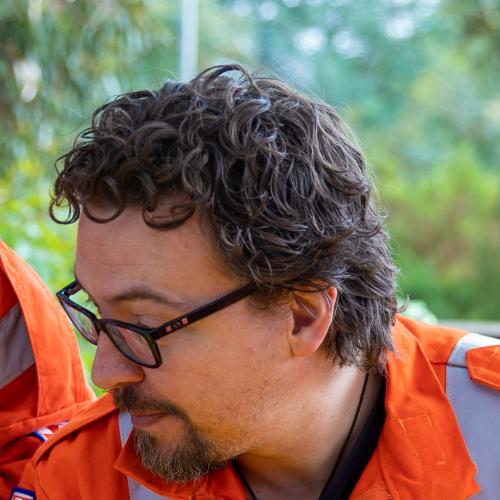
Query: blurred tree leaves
61, 59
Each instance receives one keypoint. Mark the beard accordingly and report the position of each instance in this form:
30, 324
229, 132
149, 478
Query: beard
191, 457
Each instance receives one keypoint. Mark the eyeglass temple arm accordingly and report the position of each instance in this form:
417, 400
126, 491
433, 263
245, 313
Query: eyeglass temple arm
206, 310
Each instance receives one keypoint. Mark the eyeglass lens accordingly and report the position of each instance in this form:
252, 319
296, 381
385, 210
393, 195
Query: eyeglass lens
82, 323
130, 343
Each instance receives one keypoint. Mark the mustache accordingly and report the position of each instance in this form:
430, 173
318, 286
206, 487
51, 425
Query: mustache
128, 398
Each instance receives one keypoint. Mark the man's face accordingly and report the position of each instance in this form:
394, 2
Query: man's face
222, 387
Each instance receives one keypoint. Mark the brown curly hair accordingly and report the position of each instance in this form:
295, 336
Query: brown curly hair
284, 188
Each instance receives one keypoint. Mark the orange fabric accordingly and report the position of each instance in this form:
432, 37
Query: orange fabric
436, 341
483, 365
14, 456
421, 452
48, 392
19, 398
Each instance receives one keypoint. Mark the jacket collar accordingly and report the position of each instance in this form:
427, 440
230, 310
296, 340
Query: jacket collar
222, 484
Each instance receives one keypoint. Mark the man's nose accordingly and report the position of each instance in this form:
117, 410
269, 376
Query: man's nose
110, 368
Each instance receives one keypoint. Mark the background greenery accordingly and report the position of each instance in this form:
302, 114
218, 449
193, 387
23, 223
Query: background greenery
416, 79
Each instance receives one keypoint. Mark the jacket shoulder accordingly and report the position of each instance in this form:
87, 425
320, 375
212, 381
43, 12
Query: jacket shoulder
437, 341
97, 417
480, 355
447, 347
78, 461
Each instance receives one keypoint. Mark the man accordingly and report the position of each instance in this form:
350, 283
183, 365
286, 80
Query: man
41, 375
234, 274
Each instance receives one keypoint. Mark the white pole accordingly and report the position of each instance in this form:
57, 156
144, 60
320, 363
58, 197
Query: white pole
188, 52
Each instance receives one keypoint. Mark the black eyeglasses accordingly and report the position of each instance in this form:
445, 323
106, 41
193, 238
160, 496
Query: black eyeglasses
137, 343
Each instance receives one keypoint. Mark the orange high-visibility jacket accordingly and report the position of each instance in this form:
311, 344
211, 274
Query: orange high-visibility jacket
41, 378
421, 453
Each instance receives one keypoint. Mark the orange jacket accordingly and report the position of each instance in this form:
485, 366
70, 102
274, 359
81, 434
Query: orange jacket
421, 453
41, 376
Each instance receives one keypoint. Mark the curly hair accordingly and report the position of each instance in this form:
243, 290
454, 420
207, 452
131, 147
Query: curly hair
283, 186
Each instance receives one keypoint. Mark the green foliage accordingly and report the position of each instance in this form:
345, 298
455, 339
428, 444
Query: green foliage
445, 229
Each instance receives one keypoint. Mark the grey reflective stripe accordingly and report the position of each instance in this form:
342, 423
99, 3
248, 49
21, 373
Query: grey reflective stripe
15, 347
125, 425
136, 490
477, 409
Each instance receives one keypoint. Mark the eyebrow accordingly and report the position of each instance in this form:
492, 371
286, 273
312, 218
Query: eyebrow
144, 293
140, 292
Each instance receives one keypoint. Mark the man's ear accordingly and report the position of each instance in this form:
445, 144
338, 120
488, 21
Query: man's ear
312, 316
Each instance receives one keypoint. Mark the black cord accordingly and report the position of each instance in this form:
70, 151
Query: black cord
348, 438
243, 479
337, 463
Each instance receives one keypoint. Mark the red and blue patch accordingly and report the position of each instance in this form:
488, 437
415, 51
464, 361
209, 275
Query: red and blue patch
45, 432
22, 494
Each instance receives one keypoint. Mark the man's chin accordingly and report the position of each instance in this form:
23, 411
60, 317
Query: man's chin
175, 456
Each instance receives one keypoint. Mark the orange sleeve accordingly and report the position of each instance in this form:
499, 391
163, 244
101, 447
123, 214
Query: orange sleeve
14, 457
42, 383
27, 485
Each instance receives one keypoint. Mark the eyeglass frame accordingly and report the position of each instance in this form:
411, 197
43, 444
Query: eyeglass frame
150, 334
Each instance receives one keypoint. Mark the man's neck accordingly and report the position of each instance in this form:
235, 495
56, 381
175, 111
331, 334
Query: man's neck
301, 459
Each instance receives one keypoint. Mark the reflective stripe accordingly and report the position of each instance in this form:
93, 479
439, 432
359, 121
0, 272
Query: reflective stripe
42, 434
15, 347
136, 490
125, 426
45, 432
477, 409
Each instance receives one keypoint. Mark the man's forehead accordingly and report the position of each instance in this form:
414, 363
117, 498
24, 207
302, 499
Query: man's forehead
130, 230
127, 248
